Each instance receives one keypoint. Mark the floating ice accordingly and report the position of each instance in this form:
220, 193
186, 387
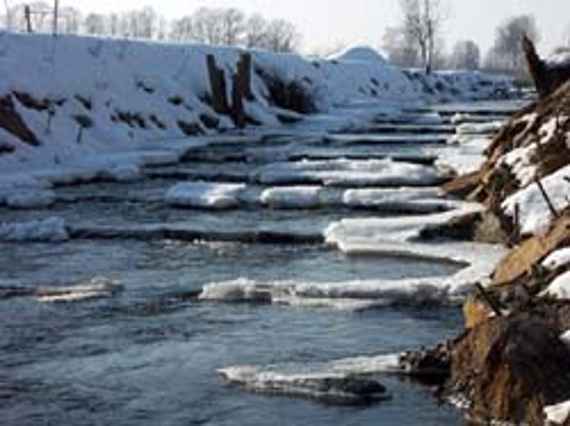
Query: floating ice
349, 173
205, 195
50, 230
96, 288
304, 197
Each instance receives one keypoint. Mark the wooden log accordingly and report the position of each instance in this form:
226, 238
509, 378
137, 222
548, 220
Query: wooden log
218, 86
238, 113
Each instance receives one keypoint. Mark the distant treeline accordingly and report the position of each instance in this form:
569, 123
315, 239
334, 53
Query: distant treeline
217, 26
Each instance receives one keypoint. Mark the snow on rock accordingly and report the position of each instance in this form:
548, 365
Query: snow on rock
534, 215
95, 288
49, 230
348, 173
557, 259
559, 288
521, 162
205, 195
30, 199
560, 59
420, 200
305, 197
557, 414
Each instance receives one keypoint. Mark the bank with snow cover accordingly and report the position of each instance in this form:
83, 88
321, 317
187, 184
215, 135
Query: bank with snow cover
67, 100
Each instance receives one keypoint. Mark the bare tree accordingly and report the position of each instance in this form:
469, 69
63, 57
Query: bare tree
94, 24
507, 50
255, 32
282, 36
422, 22
400, 47
232, 24
465, 55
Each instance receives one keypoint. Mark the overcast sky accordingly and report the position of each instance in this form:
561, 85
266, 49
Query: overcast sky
326, 23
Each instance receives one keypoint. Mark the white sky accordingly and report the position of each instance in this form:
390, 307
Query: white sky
326, 23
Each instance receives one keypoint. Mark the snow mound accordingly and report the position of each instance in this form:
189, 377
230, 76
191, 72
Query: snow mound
535, 216
557, 414
557, 259
358, 54
306, 197
344, 173
47, 230
96, 288
205, 195
30, 199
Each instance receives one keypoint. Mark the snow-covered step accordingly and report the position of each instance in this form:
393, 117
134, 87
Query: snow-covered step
426, 160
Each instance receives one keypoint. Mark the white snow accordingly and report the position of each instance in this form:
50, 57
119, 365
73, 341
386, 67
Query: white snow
48, 230
521, 162
205, 195
557, 414
559, 59
348, 173
559, 288
557, 259
535, 216
358, 54
565, 338
465, 155
304, 197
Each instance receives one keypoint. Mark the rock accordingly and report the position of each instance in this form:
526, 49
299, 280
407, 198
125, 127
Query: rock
431, 366
547, 77
510, 369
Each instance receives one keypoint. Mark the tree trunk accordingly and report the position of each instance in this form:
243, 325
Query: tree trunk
546, 78
218, 86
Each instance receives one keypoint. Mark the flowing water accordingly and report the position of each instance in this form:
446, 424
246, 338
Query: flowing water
148, 354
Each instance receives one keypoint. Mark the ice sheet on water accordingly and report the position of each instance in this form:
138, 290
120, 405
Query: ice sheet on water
349, 173
96, 288
344, 380
299, 197
205, 195
52, 229
420, 200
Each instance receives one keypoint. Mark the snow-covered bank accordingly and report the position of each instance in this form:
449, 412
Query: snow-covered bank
75, 97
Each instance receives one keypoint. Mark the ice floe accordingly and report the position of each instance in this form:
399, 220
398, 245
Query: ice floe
33, 199
342, 381
300, 197
95, 288
205, 195
348, 173
47, 230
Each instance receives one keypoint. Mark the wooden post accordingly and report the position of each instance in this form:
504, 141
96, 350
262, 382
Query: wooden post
244, 73
487, 298
218, 86
28, 14
238, 113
